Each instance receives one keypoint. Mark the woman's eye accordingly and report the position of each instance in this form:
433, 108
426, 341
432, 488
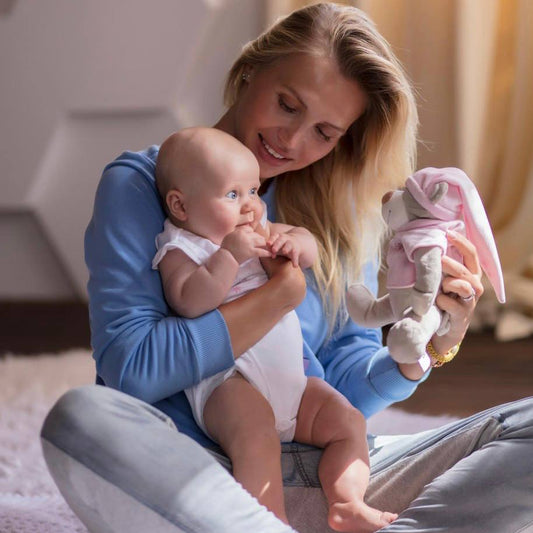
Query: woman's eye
232, 195
320, 131
286, 107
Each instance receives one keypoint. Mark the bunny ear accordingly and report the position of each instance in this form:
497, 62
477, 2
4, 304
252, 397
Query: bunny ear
439, 191
478, 229
462, 198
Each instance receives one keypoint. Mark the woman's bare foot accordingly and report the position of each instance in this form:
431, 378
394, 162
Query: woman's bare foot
358, 517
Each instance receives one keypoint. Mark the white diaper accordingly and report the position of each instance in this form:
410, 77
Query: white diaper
274, 366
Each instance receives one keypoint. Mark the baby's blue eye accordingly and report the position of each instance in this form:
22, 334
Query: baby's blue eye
253, 191
232, 195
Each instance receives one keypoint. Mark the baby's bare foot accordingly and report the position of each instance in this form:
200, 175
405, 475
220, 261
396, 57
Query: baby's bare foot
351, 517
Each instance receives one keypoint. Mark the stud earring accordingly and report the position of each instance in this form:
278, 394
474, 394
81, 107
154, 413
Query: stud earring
246, 76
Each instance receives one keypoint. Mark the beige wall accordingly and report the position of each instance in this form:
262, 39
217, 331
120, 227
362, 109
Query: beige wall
80, 83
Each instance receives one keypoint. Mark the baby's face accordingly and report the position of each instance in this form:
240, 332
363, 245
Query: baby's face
226, 199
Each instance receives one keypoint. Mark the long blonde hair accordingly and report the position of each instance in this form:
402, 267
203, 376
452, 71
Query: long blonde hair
376, 154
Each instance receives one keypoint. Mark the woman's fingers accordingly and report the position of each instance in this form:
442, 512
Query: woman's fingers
462, 279
461, 288
465, 289
467, 250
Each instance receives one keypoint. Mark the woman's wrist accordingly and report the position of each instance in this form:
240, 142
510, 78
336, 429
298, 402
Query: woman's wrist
250, 317
286, 283
441, 358
412, 371
443, 344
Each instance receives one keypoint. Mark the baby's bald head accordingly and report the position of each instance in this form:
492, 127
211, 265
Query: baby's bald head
189, 158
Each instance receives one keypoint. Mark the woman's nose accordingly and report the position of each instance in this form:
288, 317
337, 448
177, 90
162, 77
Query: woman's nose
288, 135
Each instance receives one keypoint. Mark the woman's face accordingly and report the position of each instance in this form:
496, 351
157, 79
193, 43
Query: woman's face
293, 112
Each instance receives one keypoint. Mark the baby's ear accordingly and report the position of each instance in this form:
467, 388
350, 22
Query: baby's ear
175, 201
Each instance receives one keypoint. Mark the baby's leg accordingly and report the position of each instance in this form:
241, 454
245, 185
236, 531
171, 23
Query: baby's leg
326, 419
241, 420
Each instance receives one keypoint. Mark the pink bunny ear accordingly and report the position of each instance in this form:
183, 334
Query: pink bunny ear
477, 224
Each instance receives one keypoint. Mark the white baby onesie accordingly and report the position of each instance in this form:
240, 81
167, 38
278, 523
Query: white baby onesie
274, 366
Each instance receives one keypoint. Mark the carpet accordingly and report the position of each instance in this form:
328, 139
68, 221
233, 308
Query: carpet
29, 386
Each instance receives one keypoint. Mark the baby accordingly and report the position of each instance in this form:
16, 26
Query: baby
209, 253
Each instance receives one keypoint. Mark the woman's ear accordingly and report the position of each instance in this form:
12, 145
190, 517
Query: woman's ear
175, 200
247, 73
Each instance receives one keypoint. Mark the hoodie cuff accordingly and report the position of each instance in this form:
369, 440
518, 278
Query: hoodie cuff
388, 381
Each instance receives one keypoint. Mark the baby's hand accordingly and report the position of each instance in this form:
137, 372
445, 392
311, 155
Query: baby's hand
286, 245
244, 243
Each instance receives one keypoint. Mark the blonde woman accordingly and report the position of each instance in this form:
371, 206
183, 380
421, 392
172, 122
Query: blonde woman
327, 111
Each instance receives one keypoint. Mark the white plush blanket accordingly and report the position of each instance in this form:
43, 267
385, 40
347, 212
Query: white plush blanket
29, 500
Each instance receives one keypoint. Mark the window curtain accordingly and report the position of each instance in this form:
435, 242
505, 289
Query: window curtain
471, 63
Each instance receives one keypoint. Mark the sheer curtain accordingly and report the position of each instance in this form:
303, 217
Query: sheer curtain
471, 62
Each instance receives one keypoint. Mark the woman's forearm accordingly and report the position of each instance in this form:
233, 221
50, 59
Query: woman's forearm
412, 371
252, 316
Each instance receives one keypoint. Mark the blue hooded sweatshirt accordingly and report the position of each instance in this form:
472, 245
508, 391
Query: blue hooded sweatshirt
143, 349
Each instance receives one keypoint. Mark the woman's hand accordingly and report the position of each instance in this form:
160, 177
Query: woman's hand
286, 279
461, 290
250, 317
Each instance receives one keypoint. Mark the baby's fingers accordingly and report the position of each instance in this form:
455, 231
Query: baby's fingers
276, 243
262, 252
290, 251
293, 256
258, 240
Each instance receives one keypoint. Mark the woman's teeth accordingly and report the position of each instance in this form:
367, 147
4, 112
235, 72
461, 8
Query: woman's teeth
271, 150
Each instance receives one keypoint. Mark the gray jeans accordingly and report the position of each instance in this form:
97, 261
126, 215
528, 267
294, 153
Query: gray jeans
122, 466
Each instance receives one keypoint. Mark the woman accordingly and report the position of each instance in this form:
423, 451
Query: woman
327, 111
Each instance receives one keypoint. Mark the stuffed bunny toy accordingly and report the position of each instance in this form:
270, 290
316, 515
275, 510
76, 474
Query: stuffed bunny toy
433, 202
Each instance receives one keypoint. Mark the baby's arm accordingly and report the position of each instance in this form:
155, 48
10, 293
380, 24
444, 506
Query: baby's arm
192, 289
294, 242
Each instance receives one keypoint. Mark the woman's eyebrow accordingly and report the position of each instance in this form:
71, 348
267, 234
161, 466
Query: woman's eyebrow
294, 92
338, 128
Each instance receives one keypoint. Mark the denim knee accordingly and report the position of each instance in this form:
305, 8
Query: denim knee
64, 416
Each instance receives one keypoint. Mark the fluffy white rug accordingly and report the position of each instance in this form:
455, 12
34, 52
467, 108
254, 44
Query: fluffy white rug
29, 500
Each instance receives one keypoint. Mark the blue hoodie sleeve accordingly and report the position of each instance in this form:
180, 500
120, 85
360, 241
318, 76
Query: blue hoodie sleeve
139, 346
356, 364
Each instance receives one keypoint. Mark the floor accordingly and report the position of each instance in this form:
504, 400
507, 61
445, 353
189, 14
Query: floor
485, 373
41, 327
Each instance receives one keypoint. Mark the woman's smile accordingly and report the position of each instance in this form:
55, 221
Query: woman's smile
268, 155
292, 112
271, 150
